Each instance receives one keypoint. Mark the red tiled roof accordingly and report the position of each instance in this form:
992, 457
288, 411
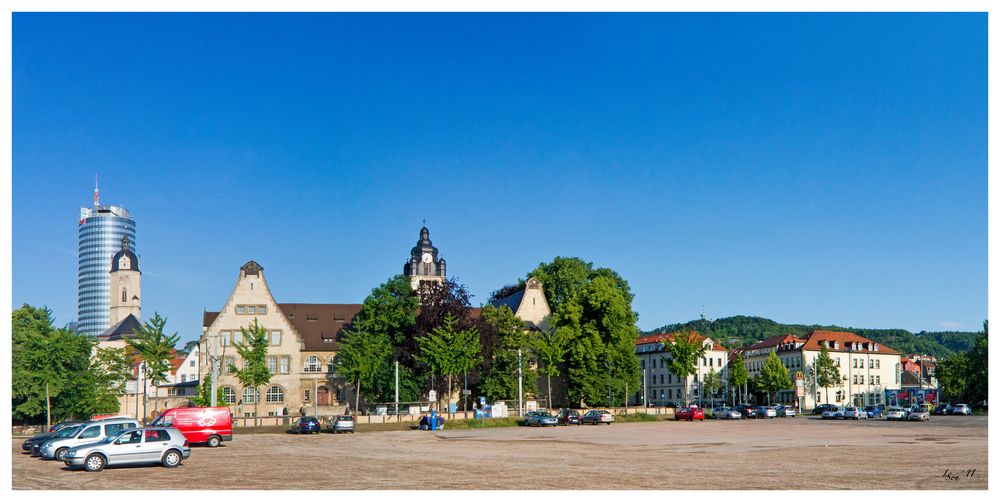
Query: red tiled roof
814, 339
661, 337
773, 341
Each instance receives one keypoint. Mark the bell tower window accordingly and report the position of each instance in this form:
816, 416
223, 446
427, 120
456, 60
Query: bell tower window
124, 296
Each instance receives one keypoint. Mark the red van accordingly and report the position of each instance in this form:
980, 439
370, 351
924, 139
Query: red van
206, 425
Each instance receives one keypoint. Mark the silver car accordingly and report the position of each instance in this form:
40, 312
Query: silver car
540, 419
89, 432
149, 445
341, 423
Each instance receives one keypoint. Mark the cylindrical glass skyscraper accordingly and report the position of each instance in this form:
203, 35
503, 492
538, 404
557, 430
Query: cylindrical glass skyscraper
101, 231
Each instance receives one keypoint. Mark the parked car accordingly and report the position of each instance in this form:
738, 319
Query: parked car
943, 409
540, 419
65, 432
834, 412
918, 413
207, 425
854, 413
961, 409
690, 414
748, 411
785, 411
90, 432
596, 417
567, 416
727, 414
40, 438
766, 412
873, 411
819, 409
718, 411
895, 413
341, 423
150, 445
305, 425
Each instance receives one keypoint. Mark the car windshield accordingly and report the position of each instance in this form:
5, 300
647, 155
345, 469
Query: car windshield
544, 414
111, 438
69, 431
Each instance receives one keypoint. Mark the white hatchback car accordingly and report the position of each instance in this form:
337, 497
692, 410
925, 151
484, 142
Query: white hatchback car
895, 413
852, 412
90, 432
836, 412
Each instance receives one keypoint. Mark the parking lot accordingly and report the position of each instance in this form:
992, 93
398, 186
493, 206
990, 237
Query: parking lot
784, 453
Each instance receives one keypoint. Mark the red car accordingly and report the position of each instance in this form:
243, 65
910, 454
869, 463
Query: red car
690, 414
206, 425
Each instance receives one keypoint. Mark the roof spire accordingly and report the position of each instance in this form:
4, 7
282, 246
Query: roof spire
96, 198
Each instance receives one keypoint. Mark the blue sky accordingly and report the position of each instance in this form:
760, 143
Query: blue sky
826, 168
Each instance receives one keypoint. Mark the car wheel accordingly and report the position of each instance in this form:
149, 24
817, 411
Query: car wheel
172, 458
61, 454
95, 462
214, 441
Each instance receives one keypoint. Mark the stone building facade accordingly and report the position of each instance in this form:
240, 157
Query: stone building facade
302, 343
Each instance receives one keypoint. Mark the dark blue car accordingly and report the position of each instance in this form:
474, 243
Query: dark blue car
873, 411
305, 425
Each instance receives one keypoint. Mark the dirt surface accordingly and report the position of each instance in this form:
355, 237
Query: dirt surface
783, 453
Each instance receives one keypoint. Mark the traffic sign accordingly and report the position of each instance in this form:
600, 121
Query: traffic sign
432, 396
466, 392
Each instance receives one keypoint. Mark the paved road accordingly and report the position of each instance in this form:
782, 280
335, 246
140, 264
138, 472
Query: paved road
782, 453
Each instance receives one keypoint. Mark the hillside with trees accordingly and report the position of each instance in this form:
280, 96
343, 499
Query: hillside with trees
739, 331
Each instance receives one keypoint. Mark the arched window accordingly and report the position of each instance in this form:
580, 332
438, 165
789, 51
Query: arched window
249, 395
275, 394
329, 365
123, 296
313, 365
229, 394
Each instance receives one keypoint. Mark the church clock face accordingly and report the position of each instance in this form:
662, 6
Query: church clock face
426, 258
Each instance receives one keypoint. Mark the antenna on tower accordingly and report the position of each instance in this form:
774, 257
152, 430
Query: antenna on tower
96, 198
703, 318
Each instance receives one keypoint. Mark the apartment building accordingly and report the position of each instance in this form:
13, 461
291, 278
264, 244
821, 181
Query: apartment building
661, 386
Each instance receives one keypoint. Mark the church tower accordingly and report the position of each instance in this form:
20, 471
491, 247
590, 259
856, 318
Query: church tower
424, 264
124, 284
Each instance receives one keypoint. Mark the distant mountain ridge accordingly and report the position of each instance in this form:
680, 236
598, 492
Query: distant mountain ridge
739, 331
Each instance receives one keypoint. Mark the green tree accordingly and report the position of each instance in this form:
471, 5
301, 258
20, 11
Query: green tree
712, 384
204, 395
774, 376
390, 309
738, 375
501, 335
155, 350
951, 374
977, 374
111, 369
46, 365
449, 351
361, 355
685, 349
253, 352
595, 313
827, 373
551, 346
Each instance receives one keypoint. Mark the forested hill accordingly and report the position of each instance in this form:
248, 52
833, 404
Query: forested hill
739, 331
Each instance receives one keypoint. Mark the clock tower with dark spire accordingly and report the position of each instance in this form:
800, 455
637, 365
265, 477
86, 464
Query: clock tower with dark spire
424, 264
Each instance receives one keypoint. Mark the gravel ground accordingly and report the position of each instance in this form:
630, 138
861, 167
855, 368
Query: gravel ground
783, 453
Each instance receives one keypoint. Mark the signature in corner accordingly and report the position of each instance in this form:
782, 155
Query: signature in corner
957, 475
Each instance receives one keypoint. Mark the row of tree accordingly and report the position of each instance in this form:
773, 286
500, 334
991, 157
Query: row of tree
59, 374
964, 376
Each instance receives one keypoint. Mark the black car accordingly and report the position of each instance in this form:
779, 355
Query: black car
747, 410
568, 417
819, 409
943, 409
38, 439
